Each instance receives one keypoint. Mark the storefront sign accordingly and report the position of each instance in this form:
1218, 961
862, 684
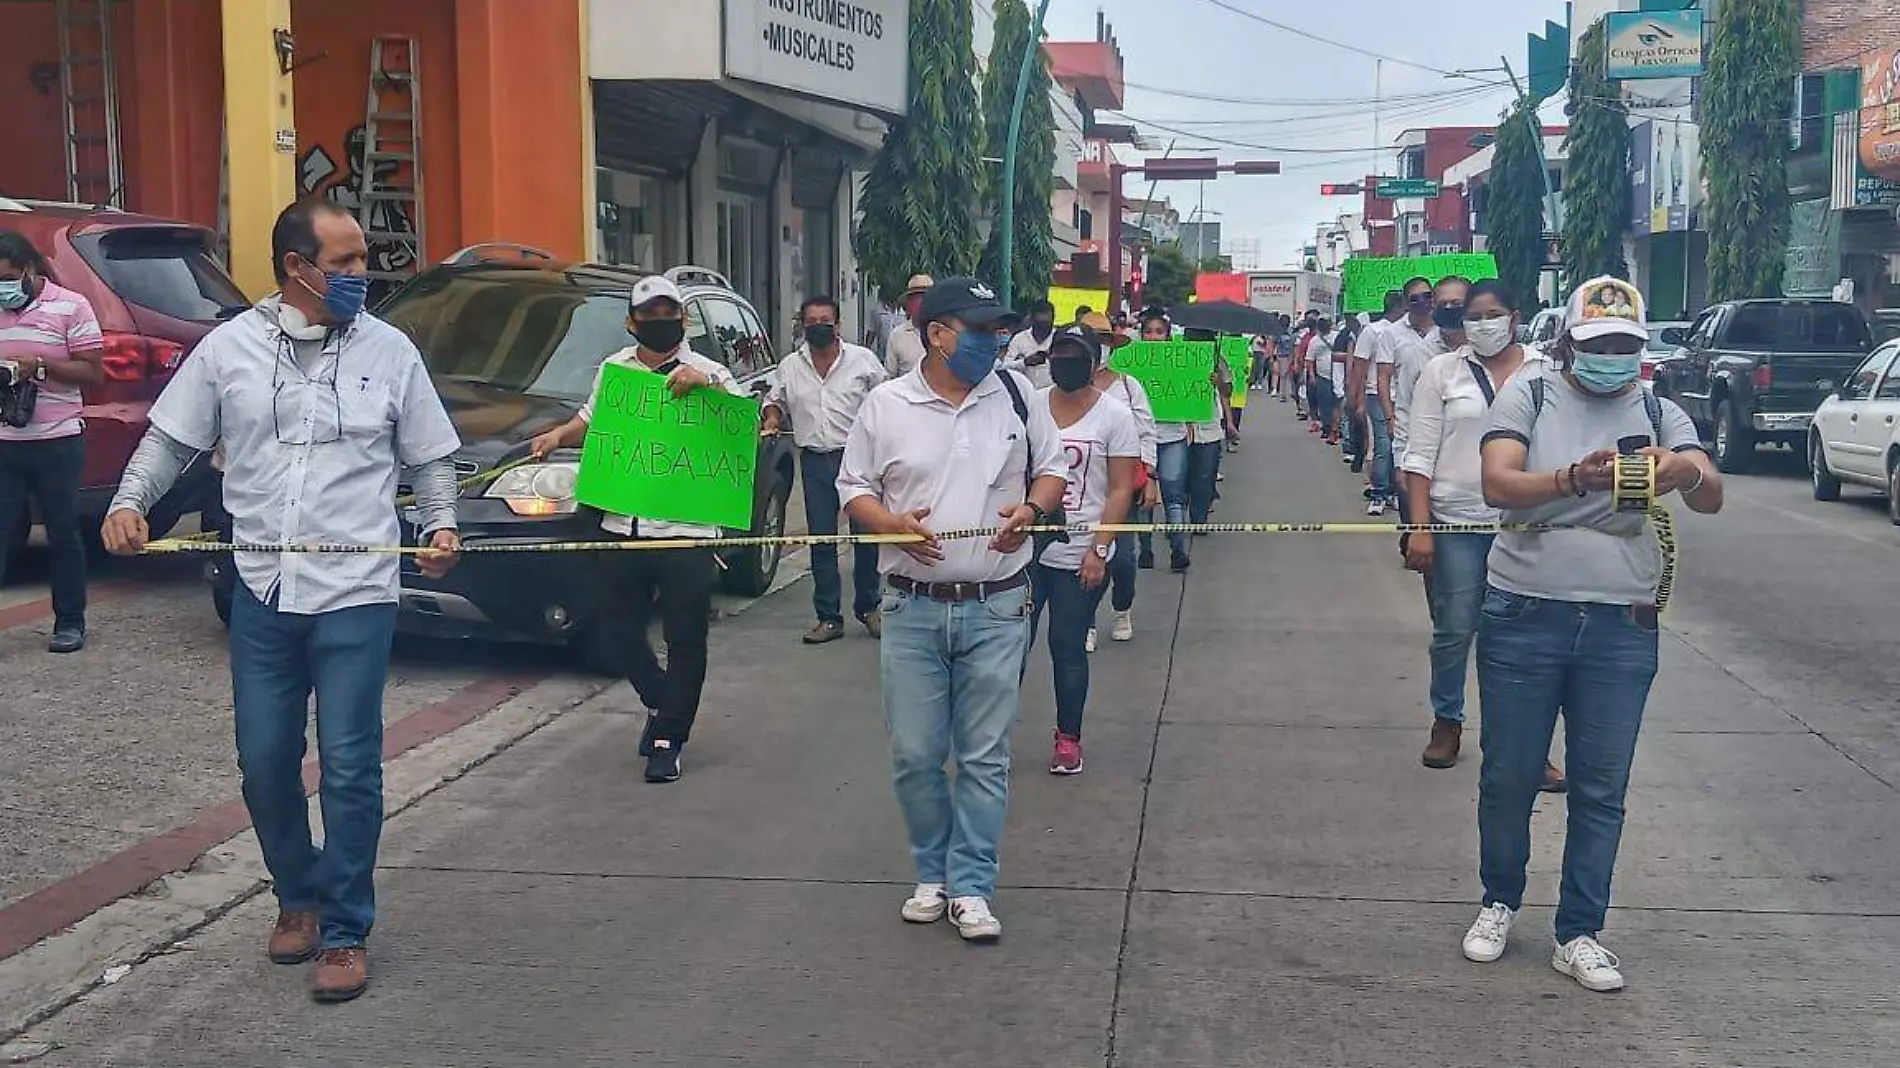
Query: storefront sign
688, 459
1813, 264
1665, 177
1370, 278
1642, 174
1880, 115
1654, 44
1178, 376
842, 51
1209, 287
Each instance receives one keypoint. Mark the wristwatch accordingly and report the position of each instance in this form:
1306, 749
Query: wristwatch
1042, 517
1101, 553
39, 372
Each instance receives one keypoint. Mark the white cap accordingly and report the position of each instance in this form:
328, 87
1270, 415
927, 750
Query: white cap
1605, 306
654, 287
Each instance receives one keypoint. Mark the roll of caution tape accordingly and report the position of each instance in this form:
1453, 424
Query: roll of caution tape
1634, 488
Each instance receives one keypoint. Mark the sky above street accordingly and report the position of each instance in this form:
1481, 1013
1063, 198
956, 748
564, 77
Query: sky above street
1179, 52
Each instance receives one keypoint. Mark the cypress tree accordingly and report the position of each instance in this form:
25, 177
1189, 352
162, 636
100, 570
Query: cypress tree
1747, 97
1597, 175
1034, 244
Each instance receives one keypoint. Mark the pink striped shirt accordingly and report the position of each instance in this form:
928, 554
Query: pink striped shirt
57, 324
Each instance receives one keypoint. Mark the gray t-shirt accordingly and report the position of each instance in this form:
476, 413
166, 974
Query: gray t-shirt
1612, 559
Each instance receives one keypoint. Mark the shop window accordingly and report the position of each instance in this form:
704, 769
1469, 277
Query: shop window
637, 220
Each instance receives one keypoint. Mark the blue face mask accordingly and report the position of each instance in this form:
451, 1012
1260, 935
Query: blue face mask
344, 295
1604, 372
975, 356
13, 295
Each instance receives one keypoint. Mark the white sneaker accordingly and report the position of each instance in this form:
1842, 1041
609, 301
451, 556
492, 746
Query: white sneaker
1376, 508
1485, 941
1088, 643
972, 918
927, 904
1592, 966
1124, 626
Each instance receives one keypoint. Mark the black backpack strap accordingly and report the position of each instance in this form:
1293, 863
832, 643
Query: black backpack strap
1484, 383
1537, 397
1653, 406
1022, 412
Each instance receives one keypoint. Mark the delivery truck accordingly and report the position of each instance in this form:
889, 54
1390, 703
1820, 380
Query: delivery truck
1292, 293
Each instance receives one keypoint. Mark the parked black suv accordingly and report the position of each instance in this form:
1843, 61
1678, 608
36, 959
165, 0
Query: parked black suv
1753, 371
512, 345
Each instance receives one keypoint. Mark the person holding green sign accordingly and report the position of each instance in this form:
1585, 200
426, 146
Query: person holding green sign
680, 581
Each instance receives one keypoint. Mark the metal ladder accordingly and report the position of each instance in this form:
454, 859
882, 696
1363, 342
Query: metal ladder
392, 134
89, 91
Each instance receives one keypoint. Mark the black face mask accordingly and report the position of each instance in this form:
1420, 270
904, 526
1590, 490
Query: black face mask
660, 335
1071, 374
1449, 317
1041, 331
821, 335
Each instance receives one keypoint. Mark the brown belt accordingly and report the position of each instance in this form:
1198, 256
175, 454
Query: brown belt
958, 592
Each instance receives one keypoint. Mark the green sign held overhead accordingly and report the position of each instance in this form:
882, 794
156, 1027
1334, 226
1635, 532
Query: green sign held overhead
1238, 352
1178, 375
686, 459
1367, 279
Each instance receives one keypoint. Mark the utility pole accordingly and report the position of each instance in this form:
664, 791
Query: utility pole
1552, 210
1007, 218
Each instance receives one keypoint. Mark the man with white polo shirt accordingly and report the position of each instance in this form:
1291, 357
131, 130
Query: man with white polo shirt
821, 386
1028, 351
954, 445
678, 581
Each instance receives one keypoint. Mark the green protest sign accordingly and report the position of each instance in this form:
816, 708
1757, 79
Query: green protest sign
1369, 278
1238, 352
686, 459
1178, 376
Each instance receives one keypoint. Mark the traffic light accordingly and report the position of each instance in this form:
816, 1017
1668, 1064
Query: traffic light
1341, 189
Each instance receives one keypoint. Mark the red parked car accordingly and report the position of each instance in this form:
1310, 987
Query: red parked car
157, 290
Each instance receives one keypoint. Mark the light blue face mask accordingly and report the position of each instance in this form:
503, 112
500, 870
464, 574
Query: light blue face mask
1605, 372
13, 295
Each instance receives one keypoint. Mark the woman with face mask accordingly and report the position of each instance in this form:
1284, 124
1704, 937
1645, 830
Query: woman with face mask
1569, 619
1101, 440
1451, 413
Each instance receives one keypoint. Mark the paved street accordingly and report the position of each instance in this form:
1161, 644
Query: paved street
1254, 870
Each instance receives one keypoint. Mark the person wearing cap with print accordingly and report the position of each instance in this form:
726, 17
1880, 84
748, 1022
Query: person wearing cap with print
905, 349
1569, 619
954, 444
1101, 442
821, 385
678, 581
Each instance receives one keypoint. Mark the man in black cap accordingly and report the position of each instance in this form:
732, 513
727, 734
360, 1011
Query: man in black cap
954, 444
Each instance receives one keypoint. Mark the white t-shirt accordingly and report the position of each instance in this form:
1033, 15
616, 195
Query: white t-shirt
1378, 344
1107, 430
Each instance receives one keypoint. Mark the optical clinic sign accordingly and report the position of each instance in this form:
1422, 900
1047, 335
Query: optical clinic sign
852, 52
1654, 44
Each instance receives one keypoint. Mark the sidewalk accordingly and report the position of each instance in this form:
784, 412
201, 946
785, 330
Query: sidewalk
1253, 871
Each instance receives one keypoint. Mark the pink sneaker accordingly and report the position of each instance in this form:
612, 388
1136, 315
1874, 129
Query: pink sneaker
1068, 756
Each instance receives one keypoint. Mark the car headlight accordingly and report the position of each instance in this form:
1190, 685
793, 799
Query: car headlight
537, 489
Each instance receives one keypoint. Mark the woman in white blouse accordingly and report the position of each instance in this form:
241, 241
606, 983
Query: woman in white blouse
1450, 412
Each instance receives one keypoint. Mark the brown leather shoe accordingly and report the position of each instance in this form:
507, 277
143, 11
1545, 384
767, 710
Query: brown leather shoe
294, 939
873, 623
1554, 781
342, 974
1442, 750
824, 633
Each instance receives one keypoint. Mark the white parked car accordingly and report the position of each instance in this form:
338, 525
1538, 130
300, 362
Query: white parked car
1855, 437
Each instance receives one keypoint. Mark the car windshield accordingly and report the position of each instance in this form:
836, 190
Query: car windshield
1820, 327
523, 332
165, 269
1656, 342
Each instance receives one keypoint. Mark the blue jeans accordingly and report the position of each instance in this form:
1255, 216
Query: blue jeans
1146, 542
1595, 662
1171, 465
1071, 613
277, 660
952, 680
819, 472
1203, 466
48, 472
1454, 590
1381, 457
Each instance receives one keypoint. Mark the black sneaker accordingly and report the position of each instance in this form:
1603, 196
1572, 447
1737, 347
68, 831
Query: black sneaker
1146, 561
67, 640
1178, 562
646, 733
663, 762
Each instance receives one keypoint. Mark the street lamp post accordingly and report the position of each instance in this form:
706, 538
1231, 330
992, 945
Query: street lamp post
1007, 217
1188, 170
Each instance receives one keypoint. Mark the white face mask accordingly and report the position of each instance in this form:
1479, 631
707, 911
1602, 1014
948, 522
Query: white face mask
1488, 337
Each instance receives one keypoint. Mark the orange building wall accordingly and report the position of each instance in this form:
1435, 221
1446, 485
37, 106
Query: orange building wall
171, 105
32, 155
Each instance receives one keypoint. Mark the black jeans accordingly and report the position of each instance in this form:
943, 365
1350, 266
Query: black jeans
819, 471
1071, 613
679, 582
47, 472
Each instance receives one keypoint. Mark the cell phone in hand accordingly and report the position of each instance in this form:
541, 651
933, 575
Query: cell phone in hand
1632, 445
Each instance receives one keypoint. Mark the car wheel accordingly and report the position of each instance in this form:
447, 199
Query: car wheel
1826, 486
1893, 490
1734, 443
749, 573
